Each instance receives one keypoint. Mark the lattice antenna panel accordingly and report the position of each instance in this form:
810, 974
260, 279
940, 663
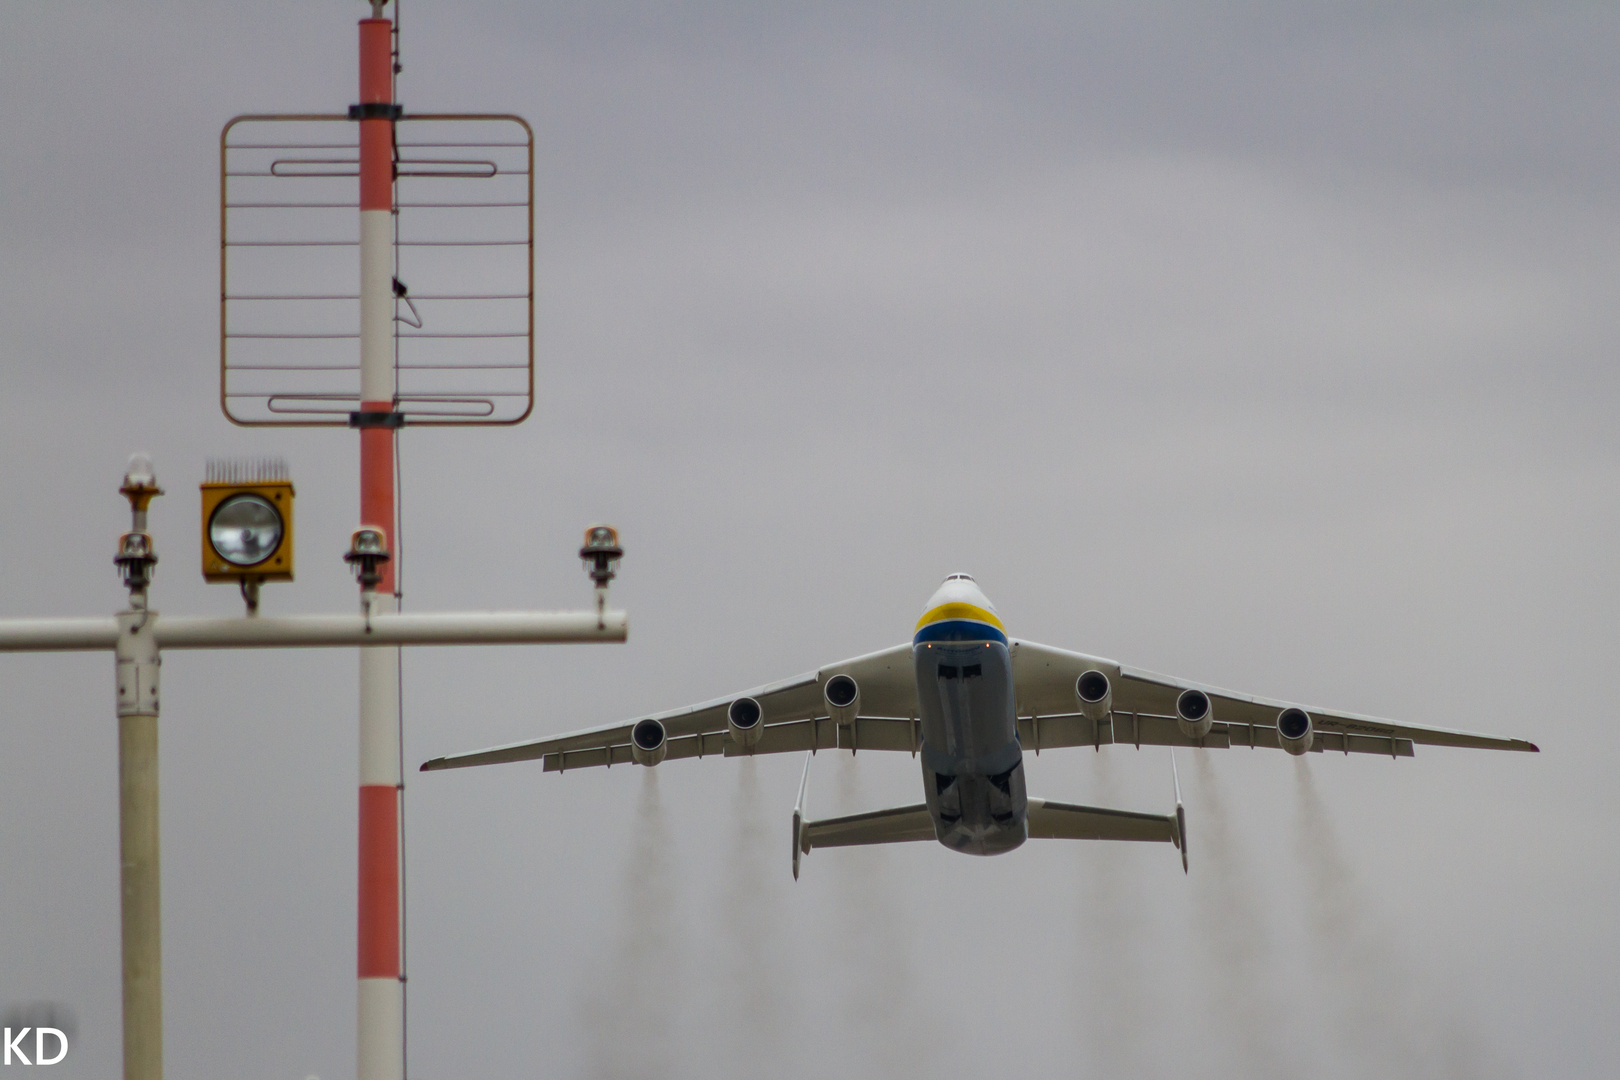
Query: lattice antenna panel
289, 262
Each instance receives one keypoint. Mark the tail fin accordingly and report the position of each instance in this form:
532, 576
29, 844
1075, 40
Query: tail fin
1181, 812
799, 845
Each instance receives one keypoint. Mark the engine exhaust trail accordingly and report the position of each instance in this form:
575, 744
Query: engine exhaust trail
1230, 927
880, 988
630, 1017
754, 988
1388, 1019
1114, 997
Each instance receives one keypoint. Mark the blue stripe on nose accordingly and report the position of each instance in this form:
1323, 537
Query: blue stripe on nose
959, 630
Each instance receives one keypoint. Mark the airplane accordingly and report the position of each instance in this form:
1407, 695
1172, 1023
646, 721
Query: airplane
969, 701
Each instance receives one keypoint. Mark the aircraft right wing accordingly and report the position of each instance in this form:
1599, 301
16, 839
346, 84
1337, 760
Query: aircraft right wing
793, 717
1143, 712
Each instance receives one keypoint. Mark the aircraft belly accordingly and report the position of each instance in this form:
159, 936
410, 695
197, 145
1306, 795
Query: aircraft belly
972, 764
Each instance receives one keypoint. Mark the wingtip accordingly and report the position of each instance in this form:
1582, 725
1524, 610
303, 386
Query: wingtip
430, 766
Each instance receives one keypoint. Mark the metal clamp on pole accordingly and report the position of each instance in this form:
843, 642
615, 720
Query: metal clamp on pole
376, 110
376, 419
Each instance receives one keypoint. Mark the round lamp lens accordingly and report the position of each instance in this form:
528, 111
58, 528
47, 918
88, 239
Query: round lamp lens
245, 530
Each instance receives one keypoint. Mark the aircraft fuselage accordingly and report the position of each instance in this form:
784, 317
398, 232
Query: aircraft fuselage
972, 763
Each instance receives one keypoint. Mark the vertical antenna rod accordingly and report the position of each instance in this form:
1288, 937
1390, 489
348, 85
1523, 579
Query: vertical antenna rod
381, 1004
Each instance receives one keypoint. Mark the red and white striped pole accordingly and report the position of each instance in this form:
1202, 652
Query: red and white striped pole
381, 1011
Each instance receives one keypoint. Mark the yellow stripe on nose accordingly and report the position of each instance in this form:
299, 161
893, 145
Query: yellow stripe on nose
960, 611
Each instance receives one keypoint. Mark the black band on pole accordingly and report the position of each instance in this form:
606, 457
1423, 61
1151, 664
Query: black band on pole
377, 419
376, 110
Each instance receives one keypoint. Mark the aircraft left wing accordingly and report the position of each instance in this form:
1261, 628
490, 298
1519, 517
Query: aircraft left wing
794, 716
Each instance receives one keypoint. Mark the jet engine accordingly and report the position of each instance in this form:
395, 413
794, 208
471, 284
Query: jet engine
1095, 694
1194, 713
649, 742
1295, 731
843, 696
745, 719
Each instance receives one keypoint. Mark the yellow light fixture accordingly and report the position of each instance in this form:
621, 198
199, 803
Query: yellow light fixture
247, 522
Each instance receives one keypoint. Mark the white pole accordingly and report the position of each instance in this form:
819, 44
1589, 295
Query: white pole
135, 649
139, 876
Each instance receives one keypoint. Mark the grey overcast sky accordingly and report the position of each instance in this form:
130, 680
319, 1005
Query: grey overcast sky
1268, 345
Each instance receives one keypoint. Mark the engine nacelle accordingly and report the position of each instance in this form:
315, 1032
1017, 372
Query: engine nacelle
1096, 695
843, 697
1295, 731
649, 742
1194, 713
746, 720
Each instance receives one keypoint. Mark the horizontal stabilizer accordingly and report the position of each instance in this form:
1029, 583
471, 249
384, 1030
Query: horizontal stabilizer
893, 826
1047, 820
1066, 821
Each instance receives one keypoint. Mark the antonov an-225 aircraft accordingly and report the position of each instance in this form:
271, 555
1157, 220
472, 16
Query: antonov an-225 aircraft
969, 701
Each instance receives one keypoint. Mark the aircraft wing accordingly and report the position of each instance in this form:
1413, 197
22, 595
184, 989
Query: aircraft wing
1144, 713
794, 718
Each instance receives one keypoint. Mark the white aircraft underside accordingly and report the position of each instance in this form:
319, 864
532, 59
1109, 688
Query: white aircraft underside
967, 700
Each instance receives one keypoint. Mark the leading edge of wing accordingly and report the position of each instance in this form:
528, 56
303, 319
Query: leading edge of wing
706, 717
1335, 720
1328, 720
588, 738
608, 735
